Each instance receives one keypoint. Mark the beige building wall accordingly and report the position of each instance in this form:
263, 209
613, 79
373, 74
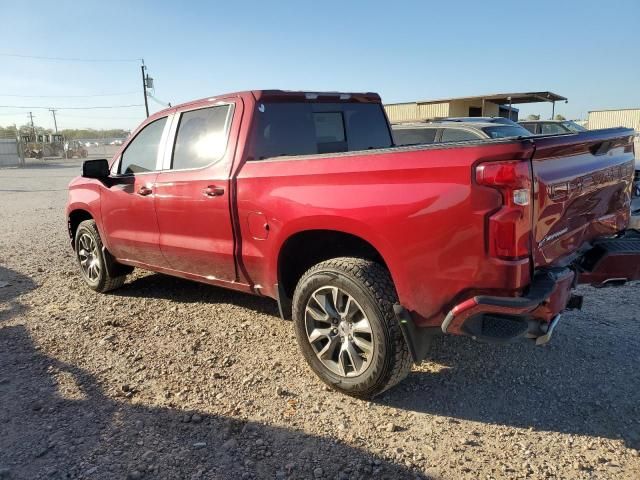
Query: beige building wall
415, 112
460, 108
629, 118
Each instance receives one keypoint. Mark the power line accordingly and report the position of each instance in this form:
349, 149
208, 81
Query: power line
69, 96
98, 117
70, 59
74, 108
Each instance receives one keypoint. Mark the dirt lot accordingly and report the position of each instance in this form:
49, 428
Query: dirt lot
170, 379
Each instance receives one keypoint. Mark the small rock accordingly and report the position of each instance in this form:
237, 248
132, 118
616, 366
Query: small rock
318, 472
390, 427
196, 418
230, 444
4, 472
199, 444
280, 391
91, 471
125, 388
134, 475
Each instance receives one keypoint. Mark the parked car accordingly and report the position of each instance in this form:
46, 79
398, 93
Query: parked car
446, 131
552, 127
371, 249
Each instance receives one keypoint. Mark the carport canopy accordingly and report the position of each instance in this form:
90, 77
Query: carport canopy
508, 98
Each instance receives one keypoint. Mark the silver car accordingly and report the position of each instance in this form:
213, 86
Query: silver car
450, 131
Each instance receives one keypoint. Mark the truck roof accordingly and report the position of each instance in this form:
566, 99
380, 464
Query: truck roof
287, 96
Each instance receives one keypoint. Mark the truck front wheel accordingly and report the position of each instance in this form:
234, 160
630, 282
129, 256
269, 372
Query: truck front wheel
346, 327
91, 258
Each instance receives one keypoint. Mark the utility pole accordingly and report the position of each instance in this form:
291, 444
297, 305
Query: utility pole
55, 124
144, 87
33, 129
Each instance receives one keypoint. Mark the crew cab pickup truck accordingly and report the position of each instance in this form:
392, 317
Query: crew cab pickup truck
370, 248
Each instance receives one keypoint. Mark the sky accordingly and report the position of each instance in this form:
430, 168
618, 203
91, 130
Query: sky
588, 51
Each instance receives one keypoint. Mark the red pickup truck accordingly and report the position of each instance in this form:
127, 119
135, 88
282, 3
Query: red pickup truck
371, 249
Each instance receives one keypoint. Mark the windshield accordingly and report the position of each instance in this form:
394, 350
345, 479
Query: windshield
573, 126
503, 131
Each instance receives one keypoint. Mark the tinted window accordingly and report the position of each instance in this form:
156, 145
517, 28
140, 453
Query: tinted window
413, 136
552, 129
503, 131
309, 128
457, 135
573, 126
142, 152
201, 137
529, 126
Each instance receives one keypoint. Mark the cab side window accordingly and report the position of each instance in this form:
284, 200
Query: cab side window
202, 137
142, 153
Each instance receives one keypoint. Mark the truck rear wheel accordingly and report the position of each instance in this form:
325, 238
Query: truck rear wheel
346, 328
91, 259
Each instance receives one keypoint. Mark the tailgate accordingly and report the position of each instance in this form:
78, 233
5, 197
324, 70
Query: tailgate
582, 190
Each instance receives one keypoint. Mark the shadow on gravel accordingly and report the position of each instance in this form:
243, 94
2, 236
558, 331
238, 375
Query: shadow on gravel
12, 285
563, 387
56, 422
156, 285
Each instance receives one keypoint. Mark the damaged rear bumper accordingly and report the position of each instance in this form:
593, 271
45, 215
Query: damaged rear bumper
502, 319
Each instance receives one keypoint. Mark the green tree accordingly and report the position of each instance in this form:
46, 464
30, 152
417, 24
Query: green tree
533, 117
559, 117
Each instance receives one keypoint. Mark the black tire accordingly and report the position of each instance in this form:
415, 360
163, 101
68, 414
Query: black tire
103, 280
370, 285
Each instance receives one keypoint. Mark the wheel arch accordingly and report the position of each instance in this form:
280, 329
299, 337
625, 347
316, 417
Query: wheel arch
74, 219
305, 248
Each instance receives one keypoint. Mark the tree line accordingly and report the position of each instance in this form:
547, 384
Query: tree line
69, 133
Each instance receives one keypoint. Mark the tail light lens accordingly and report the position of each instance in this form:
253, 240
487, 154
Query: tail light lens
510, 227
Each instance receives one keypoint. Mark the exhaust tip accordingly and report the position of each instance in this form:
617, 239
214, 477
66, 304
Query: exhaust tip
611, 282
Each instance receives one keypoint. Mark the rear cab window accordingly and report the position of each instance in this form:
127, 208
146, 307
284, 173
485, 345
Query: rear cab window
298, 128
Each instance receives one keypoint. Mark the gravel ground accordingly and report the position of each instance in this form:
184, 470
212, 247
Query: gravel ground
170, 379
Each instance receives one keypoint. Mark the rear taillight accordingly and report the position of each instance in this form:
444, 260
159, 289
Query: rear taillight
509, 235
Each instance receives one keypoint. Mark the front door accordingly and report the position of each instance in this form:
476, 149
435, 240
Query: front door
192, 194
127, 203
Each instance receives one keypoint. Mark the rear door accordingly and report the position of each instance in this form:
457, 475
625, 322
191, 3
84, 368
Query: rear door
192, 192
582, 191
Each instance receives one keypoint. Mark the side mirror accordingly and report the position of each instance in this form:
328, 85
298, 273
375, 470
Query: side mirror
98, 169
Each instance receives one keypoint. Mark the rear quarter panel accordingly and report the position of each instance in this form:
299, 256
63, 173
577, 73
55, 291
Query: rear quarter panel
417, 206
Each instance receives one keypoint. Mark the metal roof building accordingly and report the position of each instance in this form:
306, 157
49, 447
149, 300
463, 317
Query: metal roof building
493, 105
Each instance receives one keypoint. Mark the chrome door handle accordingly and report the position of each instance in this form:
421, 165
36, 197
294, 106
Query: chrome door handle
213, 191
144, 190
